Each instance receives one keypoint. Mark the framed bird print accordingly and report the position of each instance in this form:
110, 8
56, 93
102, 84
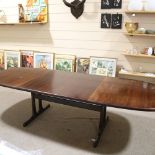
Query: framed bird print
103, 66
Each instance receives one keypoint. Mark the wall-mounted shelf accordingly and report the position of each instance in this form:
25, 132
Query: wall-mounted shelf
26, 23
140, 12
138, 34
137, 74
139, 55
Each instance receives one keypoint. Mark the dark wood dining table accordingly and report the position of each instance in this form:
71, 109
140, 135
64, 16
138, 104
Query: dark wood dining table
80, 90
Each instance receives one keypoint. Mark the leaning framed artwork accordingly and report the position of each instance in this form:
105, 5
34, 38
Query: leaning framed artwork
43, 60
64, 62
82, 65
26, 58
1, 59
103, 66
12, 59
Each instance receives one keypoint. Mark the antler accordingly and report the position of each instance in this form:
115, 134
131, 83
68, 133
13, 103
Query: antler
71, 4
67, 4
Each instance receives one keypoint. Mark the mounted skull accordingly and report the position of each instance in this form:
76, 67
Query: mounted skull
76, 6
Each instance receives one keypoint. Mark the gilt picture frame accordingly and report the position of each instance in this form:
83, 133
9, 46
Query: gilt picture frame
103, 66
64, 62
43, 60
11, 59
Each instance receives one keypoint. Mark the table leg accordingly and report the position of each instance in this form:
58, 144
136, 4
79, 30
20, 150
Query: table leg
35, 114
102, 124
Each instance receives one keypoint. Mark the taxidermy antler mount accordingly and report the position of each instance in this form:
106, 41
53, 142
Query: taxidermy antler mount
76, 6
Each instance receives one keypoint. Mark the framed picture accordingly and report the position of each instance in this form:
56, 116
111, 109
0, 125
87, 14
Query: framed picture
105, 20
64, 62
103, 66
26, 58
117, 4
12, 59
82, 65
106, 4
1, 59
43, 60
116, 21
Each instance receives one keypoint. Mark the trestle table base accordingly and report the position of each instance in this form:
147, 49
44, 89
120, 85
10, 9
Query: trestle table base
81, 104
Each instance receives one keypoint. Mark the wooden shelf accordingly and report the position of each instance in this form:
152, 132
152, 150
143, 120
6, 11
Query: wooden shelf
140, 12
139, 55
26, 23
138, 34
136, 74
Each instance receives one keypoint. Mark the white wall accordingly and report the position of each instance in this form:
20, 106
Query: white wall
82, 37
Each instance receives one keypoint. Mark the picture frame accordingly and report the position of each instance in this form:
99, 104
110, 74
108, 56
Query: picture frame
43, 60
26, 58
106, 4
117, 4
82, 65
105, 20
116, 21
103, 66
1, 60
36, 11
11, 59
64, 62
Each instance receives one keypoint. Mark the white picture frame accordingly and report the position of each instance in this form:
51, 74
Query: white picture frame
103, 66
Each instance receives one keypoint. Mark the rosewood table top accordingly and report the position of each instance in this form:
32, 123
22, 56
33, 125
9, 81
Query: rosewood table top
112, 92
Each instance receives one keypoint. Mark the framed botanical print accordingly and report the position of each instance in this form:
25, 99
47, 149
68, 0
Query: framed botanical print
26, 58
43, 60
64, 62
1, 59
82, 65
103, 66
12, 59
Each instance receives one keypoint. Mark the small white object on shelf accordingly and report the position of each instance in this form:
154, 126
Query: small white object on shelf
150, 51
150, 74
135, 5
141, 30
